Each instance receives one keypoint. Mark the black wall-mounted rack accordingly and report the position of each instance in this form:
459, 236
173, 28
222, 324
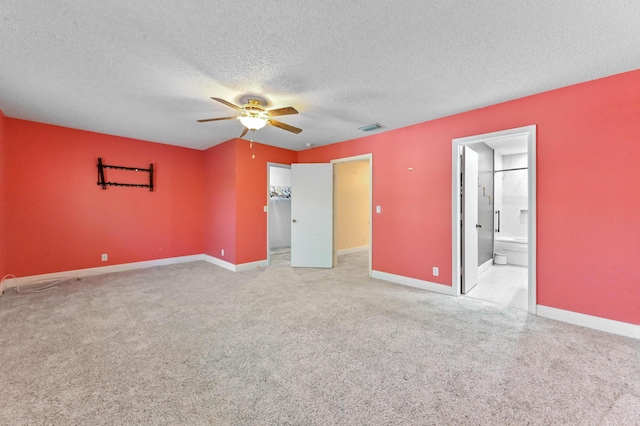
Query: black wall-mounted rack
101, 180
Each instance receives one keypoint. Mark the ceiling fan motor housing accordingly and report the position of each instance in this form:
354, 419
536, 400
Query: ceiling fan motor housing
254, 109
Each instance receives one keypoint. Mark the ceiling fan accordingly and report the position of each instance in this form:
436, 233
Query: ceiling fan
254, 116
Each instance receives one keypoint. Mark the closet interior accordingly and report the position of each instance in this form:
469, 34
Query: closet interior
279, 208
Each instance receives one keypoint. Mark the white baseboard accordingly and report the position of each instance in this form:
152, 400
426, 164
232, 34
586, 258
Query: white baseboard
596, 323
413, 282
486, 265
353, 250
78, 273
236, 268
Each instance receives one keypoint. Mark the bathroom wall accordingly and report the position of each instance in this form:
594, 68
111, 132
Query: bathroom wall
513, 195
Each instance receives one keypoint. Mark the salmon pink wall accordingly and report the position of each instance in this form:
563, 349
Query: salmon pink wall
251, 190
3, 200
588, 196
408, 237
235, 196
220, 201
59, 219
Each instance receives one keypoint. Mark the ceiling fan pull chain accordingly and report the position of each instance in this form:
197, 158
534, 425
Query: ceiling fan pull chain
251, 147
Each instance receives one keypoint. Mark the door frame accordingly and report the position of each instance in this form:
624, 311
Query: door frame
530, 132
266, 208
369, 158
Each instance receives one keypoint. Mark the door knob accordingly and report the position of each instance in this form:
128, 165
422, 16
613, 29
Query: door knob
294, 221
478, 225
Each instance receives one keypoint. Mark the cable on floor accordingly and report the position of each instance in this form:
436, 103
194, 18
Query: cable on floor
49, 285
4, 278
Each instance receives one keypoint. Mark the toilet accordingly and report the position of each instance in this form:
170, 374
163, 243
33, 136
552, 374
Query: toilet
500, 258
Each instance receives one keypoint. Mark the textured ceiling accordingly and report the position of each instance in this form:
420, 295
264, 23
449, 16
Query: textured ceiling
146, 69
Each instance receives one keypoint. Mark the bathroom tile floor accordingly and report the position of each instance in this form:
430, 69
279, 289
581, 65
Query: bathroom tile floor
503, 285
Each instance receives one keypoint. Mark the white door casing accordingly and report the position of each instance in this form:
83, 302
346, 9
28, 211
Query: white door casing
530, 132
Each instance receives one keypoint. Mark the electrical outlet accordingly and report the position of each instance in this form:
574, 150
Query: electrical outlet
105, 257
222, 252
436, 271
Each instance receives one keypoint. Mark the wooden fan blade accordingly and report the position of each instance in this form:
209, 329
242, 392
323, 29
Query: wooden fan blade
244, 132
229, 104
284, 126
282, 111
216, 119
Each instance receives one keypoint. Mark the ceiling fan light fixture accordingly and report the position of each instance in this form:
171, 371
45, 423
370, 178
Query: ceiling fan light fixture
254, 116
253, 123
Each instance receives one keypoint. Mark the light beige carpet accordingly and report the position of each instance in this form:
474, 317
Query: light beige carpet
195, 344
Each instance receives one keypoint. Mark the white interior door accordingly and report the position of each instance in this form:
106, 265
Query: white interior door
312, 215
469, 219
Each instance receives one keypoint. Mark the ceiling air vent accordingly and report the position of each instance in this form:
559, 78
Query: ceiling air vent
370, 127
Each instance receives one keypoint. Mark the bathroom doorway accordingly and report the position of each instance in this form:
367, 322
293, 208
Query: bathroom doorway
494, 187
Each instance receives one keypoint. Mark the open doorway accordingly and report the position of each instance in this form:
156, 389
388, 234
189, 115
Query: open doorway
494, 217
352, 210
278, 212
